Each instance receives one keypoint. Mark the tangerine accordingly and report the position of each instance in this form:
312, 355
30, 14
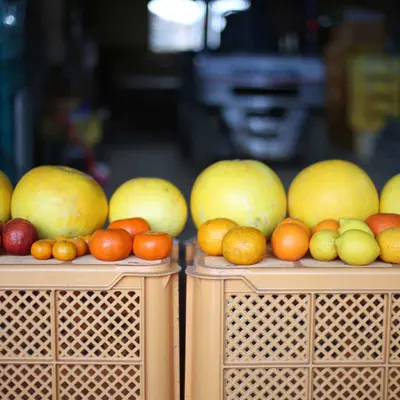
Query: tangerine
211, 233
81, 246
42, 249
326, 224
110, 244
132, 225
152, 245
298, 222
86, 238
381, 221
64, 251
244, 246
290, 242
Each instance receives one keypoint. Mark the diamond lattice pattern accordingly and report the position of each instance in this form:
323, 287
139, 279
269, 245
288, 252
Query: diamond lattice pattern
103, 325
395, 329
347, 384
95, 382
394, 384
266, 328
261, 384
25, 382
25, 324
349, 327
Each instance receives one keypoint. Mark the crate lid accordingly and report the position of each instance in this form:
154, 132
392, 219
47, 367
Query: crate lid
86, 271
305, 274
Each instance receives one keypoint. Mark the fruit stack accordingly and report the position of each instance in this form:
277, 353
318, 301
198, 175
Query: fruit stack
334, 212
59, 212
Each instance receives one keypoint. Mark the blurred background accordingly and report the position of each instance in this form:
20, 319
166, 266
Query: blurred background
129, 88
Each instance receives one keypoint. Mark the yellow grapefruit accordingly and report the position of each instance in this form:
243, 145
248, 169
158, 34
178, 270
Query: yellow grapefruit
60, 201
247, 192
6, 190
158, 201
390, 196
332, 189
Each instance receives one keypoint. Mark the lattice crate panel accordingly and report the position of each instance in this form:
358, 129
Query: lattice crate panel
105, 382
26, 382
354, 383
266, 328
261, 384
349, 328
395, 330
25, 324
99, 325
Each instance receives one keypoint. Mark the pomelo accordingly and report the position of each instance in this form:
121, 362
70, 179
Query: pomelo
332, 189
60, 201
6, 190
247, 192
157, 201
390, 196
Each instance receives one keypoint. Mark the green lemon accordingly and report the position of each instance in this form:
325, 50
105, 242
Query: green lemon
322, 245
356, 247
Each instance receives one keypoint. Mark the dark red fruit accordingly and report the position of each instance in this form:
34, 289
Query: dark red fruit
18, 236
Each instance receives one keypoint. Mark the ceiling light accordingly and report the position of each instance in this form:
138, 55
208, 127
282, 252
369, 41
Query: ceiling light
185, 12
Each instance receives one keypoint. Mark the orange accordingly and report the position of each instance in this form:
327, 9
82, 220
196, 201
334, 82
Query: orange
64, 251
326, 224
380, 222
110, 244
244, 246
81, 246
298, 222
152, 245
290, 242
86, 238
132, 225
211, 233
42, 249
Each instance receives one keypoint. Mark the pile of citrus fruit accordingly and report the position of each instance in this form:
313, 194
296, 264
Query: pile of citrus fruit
240, 208
334, 212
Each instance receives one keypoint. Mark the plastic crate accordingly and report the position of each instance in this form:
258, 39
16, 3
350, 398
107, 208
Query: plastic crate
292, 331
88, 330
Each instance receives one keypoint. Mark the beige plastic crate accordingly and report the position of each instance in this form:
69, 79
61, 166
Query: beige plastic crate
285, 331
88, 330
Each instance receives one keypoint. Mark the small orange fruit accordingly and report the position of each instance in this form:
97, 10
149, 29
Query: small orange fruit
86, 238
132, 225
152, 245
326, 225
244, 246
298, 222
290, 242
111, 244
81, 246
64, 251
42, 249
211, 233
61, 238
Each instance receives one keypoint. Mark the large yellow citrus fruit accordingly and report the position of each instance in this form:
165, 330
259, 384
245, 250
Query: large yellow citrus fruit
60, 201
332, 189
158, 201
247, 192
6, 190
390, 196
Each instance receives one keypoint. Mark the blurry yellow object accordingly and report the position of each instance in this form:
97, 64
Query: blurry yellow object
90, 132
374, 91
